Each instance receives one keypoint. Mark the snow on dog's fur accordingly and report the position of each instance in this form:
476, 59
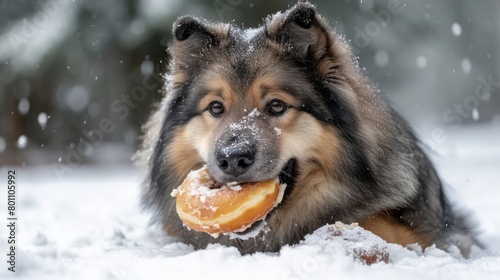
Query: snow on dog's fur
288, 100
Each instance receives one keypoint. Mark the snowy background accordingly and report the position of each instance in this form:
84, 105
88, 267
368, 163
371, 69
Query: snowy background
70, 67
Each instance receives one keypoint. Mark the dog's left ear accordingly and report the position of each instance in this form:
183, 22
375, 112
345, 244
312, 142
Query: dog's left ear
300, 31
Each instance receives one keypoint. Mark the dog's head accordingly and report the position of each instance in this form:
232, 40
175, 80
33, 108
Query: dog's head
250, 103
283, 100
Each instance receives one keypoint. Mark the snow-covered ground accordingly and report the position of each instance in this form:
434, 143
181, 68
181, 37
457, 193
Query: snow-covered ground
89, 226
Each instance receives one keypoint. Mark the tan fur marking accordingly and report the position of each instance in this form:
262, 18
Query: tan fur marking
182, 155
305, 138
219, 90
264, 89
316, 146
391, 231
190, 146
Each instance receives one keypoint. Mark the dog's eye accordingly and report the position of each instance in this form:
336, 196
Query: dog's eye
216, 108
277, 107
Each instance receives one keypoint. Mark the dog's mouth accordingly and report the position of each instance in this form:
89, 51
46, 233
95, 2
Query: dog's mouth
286, 177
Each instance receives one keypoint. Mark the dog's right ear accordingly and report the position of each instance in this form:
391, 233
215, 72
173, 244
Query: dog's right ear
194, 36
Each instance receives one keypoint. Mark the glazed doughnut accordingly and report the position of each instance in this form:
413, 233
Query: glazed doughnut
229, 208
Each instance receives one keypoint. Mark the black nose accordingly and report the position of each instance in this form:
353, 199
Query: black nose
236, 159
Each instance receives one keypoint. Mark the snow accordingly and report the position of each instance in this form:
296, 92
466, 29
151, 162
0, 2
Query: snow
475, 114
89, 226
2, 144
94, 109
147, 67
366, 6
251, 33
246, 122
249, 233
466, 65
456, 29
156, 11
381, 58
421, 61
138, 26
200, 184
22, 142
77, 98
23, 106
42, 119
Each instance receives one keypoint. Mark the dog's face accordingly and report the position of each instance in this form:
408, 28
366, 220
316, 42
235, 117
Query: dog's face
250, 101
249, 125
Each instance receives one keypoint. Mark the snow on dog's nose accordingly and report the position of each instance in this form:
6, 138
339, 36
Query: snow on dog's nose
236, 158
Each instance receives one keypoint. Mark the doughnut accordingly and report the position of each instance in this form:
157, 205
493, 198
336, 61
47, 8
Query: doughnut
233, 207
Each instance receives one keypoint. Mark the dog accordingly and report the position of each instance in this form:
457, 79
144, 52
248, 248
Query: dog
288, 100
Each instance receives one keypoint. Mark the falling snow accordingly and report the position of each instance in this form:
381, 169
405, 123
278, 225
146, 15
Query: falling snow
475, 114
147, 67
42, 120
466, 65
23, 106
381, 58
2, 144
77, 98
22, 142
421, 61
456, 29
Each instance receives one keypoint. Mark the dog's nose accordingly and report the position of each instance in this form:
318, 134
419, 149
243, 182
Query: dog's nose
236, 159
